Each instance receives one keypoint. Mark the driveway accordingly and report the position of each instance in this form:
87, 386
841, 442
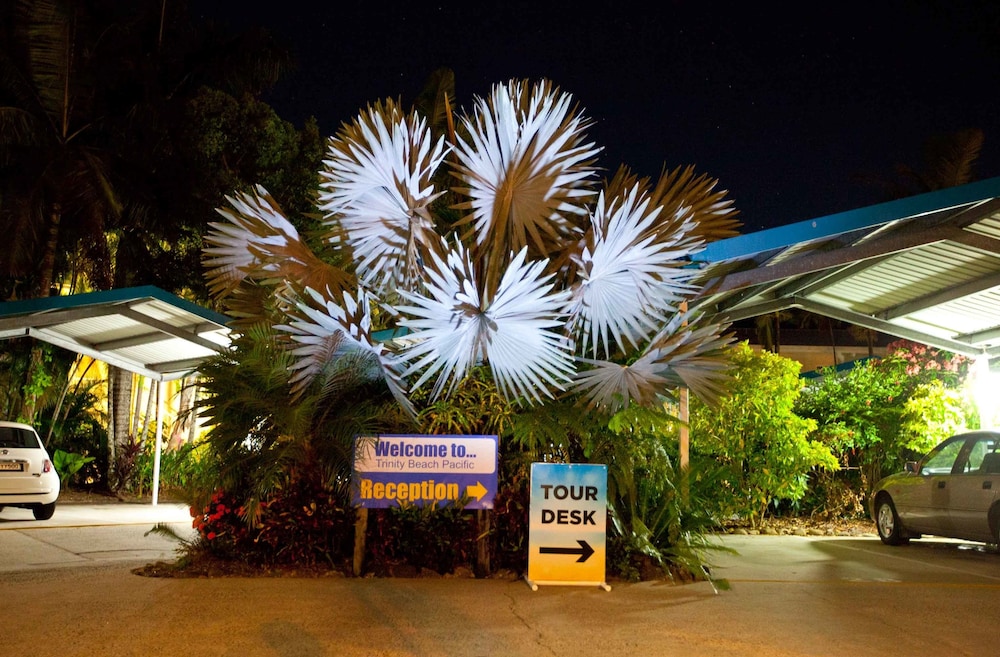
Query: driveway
85, 534
790, 595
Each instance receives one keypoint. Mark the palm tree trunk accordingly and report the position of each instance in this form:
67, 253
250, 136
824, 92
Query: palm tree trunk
136, 410
46, 271
148, 418
44, 283
121, 397
180, 429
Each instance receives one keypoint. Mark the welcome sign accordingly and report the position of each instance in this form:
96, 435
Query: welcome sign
423, 470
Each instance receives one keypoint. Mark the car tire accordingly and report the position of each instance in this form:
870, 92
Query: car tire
44, 511
890, 529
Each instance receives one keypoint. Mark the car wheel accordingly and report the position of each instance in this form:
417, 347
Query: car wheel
890, 529
44, 511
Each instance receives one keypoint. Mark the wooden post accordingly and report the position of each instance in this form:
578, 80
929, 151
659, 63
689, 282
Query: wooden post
360, 533
685, 439
483, 521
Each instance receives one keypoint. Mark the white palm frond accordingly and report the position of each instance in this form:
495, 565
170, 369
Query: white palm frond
255, 224
527, 172
258, 242
694, 355
326, 332
678, 356
456, 326
630, 276
376, 188
613, 386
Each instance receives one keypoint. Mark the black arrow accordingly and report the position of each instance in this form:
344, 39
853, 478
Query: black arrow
584, 550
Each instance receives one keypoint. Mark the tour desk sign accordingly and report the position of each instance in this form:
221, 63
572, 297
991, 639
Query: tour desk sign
423, 470
567, 527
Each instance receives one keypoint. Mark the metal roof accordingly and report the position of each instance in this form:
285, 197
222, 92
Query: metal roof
925, 268
144, 330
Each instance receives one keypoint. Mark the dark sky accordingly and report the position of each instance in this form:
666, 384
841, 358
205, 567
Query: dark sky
786, 106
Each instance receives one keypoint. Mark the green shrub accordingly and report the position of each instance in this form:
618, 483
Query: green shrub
882, 412
662, 526
765, 448
932, 413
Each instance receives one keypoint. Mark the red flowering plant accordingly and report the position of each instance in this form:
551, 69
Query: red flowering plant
221, 526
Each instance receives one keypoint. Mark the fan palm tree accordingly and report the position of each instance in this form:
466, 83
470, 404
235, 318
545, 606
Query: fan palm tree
561, 285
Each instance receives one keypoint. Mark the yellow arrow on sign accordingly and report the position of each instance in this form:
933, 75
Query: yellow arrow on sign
476, 491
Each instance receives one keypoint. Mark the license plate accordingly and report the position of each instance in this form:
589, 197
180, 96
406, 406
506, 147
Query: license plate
11, 466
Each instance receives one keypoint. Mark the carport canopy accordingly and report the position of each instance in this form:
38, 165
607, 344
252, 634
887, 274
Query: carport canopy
144, 330
925, 268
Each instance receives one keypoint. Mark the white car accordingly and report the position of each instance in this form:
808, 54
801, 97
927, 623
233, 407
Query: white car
27, 477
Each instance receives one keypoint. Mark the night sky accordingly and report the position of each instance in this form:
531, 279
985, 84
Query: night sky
785, 106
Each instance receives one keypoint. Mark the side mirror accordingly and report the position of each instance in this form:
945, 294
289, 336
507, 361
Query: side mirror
912, 467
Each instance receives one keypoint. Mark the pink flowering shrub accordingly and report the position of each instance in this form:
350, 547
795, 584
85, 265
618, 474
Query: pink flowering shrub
928, 363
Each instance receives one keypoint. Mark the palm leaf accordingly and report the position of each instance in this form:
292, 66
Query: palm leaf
679, 355
259, 243
456, 326
52, 33
376, 191
630, 273
436, 100
337, 333
950, 159
689, 198
527, 173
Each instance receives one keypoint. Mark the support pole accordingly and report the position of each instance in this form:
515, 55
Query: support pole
159, 442
483, 522
685, 436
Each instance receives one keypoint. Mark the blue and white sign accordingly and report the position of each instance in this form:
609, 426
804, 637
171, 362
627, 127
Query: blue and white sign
421, 470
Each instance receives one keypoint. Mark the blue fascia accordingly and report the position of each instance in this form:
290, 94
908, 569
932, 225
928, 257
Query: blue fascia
781, 237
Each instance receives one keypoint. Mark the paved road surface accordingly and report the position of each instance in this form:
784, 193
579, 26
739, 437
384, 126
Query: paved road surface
790, 596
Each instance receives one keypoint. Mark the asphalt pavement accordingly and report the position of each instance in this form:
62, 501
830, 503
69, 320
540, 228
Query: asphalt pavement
73, 583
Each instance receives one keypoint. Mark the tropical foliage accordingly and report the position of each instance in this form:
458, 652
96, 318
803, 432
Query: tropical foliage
515, 298
767, 450
882, 412
122, 125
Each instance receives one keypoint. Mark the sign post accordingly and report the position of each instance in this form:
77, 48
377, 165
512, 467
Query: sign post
567, 530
